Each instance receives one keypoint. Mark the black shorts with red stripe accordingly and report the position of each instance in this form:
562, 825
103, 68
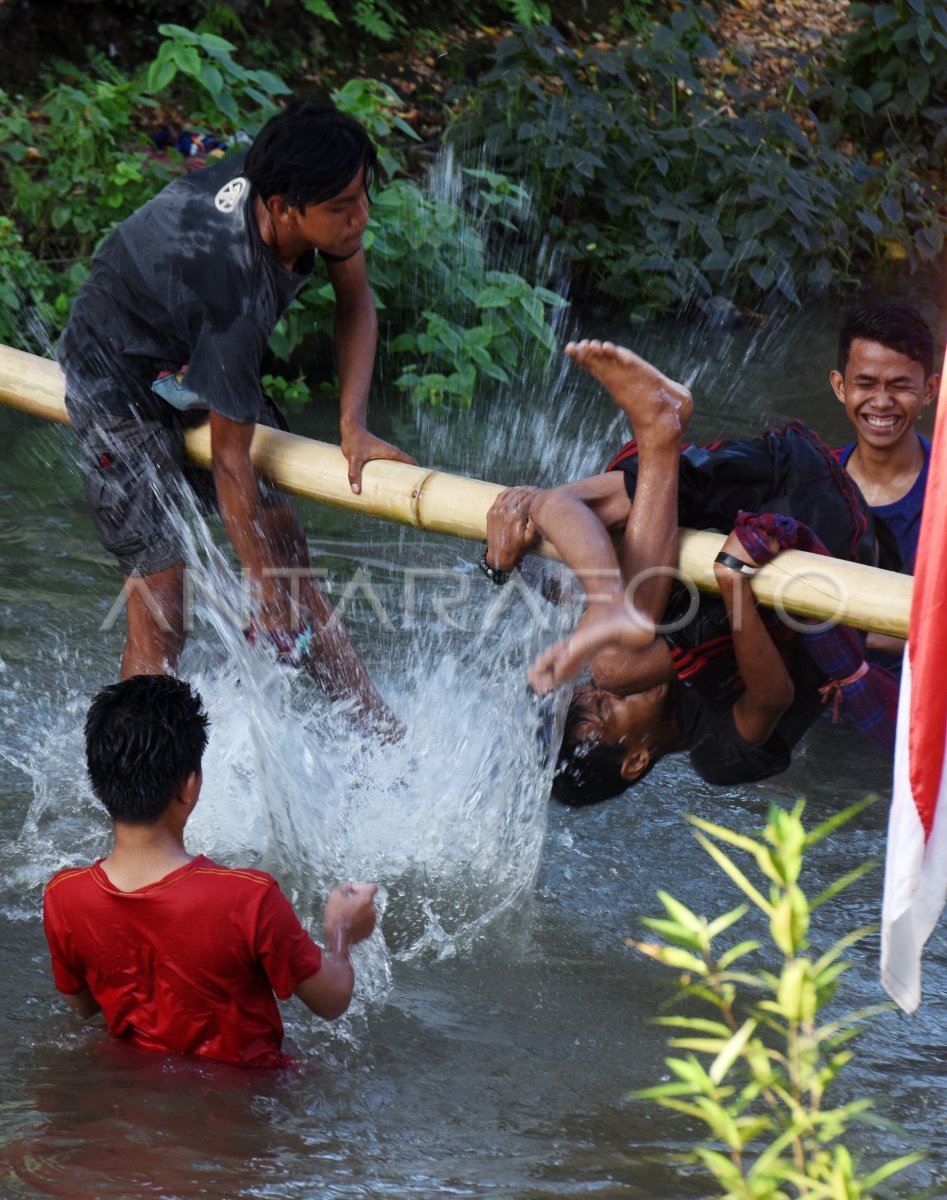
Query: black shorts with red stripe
788, 470
698, 635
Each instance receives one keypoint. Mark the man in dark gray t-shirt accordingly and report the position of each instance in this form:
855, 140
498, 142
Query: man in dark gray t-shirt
171, 326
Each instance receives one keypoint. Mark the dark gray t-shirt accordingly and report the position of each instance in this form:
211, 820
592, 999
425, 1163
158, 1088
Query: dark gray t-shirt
186, 279
719, 754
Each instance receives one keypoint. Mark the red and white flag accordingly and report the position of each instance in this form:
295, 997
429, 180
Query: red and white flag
916, 859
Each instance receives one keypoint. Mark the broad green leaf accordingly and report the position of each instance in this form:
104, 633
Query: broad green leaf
180, 33
211, 78
495, 371
272, 84
763, 276
863, 101
493, 297
217, 45
187, 59
918, 84
931, 240
892, 208
319, 8
160, 74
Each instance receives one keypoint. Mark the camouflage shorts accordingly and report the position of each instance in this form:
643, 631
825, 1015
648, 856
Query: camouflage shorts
139, 483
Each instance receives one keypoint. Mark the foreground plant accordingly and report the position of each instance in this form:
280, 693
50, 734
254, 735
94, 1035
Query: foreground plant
757, 1072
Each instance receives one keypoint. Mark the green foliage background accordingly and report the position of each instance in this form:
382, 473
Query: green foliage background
620, 137
670, 187
77, 165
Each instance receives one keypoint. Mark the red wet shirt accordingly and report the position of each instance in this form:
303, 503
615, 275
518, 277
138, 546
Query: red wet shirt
188, 964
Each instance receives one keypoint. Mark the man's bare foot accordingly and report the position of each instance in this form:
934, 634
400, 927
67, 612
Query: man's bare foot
564, 660
652, 402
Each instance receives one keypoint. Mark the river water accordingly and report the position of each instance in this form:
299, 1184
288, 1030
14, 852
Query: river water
500, 1021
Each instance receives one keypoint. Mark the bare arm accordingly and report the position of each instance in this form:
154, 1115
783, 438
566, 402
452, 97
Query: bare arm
512, 529
271, 546
885, 642
768, 689
576, 519
84, 1003
328, 993
242, 511
583, 541
356, 338
349, 918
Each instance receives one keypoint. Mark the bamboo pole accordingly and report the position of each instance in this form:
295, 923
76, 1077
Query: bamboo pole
801, 584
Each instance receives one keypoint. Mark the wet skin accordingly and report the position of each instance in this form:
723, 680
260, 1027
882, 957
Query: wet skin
619, 720
335, 226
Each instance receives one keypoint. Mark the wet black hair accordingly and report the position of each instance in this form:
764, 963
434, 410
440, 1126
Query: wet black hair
144, 737
309, 153
897, 326
587, 771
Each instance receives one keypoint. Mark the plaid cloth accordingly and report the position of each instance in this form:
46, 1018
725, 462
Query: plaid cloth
867, 692
755, 529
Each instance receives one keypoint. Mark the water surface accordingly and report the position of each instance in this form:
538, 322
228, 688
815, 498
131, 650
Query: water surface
500, 1021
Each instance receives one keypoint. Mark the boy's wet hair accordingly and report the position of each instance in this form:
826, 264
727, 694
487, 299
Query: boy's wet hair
587, 771
144, 737
897, 326
309, 153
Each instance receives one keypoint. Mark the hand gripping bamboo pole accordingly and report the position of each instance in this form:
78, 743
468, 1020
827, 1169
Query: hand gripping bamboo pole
801, 584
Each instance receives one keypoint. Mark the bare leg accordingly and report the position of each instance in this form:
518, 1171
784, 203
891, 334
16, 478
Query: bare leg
659, 410
645, 395
333, 662
155, 616
617, 621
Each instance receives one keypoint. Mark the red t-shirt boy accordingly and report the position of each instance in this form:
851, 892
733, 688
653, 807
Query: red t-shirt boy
182, 955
